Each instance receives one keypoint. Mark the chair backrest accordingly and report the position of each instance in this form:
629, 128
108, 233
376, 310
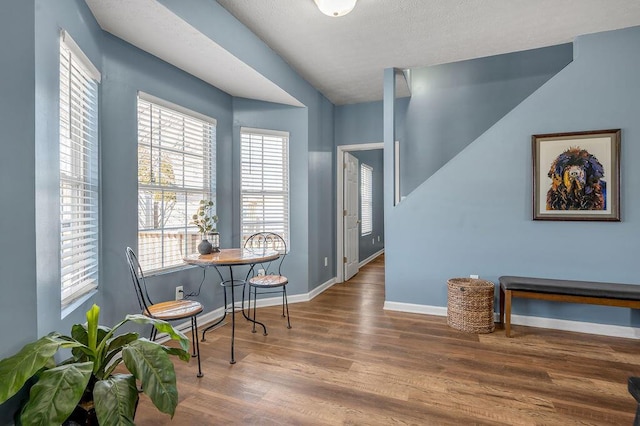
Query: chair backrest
269, 241
137, 276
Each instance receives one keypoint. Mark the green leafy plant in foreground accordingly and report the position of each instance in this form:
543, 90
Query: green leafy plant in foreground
89, 373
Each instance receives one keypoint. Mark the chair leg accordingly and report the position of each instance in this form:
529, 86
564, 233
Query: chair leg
286, 304
154, 333
255, 302
194, 338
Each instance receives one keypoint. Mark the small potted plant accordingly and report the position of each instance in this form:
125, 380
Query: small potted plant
206, 222
85, 388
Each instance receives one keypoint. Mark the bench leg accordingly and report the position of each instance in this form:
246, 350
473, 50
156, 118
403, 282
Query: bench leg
507, 311
501, 306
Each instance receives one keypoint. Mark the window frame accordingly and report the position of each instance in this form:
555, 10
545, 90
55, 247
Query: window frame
187, 194
282, 227
79, 173
366, 200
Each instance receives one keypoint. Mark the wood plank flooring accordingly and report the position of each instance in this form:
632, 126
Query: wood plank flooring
347, 361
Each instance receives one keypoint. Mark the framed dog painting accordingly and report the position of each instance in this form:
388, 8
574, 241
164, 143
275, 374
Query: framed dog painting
576, 176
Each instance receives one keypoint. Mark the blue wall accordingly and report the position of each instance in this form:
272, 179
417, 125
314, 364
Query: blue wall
264, 115
75, 18
374, 242
128, 70
362, 123
30, 118
452, 104
17, 183
475, 211
17, 178
215, 22
474, 225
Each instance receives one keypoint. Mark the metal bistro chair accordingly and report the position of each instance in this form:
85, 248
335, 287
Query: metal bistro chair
173, 310
272, 281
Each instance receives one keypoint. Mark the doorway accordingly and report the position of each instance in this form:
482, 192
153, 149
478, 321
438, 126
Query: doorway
342, 221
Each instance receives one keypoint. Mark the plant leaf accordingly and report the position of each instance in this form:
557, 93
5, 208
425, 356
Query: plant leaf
111, 367
56, 394
114, 346
161, 326
79, 333
93, 317
179, 352
115, 399
148, 362
19, 368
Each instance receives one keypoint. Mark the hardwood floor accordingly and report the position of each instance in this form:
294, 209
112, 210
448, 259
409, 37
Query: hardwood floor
347, 361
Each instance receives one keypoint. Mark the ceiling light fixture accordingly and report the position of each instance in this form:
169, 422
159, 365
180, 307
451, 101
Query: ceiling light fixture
335, 8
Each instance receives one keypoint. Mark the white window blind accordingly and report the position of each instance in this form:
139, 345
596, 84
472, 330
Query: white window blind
264, 182
366, 199
79, 221
176, 157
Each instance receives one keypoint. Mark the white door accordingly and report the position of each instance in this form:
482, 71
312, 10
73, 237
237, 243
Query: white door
351, 221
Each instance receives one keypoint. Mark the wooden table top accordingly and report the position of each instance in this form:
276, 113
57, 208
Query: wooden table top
233, 256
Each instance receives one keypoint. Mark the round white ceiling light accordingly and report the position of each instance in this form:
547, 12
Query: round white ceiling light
335, 8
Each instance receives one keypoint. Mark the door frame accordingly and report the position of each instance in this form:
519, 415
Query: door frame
341, 149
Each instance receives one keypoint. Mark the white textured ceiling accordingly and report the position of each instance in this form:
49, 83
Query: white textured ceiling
153, 28
344, 57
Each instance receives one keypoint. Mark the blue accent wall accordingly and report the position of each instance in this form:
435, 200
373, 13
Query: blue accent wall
475, 211
215, 22
17, 183
17, 178
128, 70
357, 124
466, 165
76, 19
452, 104
29, 176
374, 242
270, 116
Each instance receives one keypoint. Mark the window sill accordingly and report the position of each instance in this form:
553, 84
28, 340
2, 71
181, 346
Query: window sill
67, 310
159, 272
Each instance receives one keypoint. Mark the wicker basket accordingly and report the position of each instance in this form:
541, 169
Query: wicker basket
470, 305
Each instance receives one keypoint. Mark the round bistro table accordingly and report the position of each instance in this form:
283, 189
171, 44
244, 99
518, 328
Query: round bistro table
230, 258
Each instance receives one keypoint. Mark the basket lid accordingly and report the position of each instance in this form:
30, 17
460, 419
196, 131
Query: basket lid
470, 282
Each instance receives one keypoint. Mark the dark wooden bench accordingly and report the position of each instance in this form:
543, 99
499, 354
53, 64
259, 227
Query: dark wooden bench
594, 293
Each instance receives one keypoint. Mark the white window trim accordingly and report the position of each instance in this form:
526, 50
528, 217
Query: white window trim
189, 228
80, 55
276, 133
179, 108
363, 203
79, 267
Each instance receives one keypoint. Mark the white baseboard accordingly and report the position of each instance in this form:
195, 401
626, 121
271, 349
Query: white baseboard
370, 258
577, 326
415, 309
318, 290
540, 322
212, 316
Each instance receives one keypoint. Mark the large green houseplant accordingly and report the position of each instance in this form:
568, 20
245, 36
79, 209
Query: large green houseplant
96, 351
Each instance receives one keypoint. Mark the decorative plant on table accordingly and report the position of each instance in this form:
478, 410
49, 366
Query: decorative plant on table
89, 374
206, 222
